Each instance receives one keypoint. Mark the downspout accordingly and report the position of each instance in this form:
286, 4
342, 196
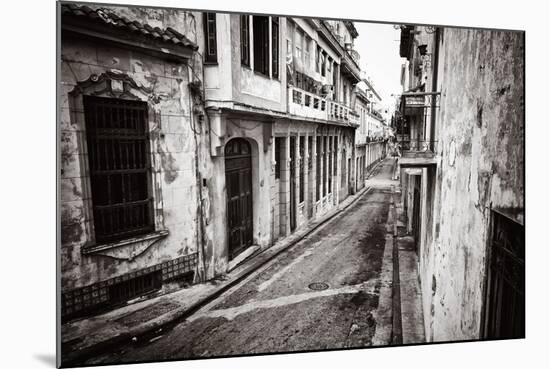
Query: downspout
200, 209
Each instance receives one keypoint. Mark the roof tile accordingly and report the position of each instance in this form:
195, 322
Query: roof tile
110, 18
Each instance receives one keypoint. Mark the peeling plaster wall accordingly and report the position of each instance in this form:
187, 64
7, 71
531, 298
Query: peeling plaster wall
173, 156
480, 127
219, 77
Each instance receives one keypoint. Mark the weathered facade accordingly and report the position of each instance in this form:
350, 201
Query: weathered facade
461, 127
129, 201
190, 141
272, 88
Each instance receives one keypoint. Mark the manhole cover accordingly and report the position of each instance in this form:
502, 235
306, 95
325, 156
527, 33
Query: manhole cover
318, 286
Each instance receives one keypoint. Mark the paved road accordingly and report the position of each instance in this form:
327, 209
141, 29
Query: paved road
276, 310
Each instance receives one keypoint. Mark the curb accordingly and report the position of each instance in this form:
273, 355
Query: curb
148, 331
397, 323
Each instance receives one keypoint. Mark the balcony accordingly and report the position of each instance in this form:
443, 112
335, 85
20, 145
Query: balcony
417, 148
416, 152
416, 127
311, 106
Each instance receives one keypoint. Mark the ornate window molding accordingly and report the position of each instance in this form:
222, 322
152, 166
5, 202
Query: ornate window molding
114, 84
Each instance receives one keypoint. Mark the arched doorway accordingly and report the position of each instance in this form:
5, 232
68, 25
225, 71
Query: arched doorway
238, 183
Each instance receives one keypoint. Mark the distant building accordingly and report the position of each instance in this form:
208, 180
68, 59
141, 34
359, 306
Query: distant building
460, 125
376, 129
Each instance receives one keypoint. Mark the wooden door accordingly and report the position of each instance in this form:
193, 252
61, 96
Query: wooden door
416, 213
292, 183
238, 181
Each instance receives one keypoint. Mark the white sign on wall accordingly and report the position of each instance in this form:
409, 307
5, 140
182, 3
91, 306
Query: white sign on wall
412, 101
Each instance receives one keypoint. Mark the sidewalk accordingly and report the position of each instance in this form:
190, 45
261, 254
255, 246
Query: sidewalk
144, 320
406, 281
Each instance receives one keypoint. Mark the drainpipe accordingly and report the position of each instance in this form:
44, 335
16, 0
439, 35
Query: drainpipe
200, 211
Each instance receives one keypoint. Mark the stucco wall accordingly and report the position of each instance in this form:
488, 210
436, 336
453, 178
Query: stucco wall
228, 81
172, 159
480, 129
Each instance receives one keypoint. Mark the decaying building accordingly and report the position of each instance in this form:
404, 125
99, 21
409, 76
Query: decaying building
129, 199
460, 128
190, 141
278, 101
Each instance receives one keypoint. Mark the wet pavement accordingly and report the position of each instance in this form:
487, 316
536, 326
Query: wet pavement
322, 293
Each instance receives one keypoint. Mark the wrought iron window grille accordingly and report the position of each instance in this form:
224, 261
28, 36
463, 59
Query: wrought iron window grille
118, 155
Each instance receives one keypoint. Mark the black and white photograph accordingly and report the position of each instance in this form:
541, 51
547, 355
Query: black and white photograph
243, 183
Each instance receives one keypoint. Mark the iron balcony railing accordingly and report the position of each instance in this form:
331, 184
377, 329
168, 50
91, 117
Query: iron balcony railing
427, 146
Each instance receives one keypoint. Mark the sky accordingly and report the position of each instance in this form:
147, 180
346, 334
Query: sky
378, 46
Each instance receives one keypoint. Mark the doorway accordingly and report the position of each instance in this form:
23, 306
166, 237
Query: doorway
292, 183
238, 181
416, 212
504, 310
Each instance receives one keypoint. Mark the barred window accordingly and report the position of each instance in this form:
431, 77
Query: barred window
118, 154
211, 52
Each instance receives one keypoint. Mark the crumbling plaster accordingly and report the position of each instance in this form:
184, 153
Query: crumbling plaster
171, 157
480, 129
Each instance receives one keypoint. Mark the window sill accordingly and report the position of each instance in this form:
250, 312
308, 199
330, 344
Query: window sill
90, 250
260, 74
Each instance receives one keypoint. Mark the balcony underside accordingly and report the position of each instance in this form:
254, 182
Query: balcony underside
411, 154
416, 161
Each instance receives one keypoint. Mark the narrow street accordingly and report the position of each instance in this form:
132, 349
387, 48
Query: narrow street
323, 293
241, 184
